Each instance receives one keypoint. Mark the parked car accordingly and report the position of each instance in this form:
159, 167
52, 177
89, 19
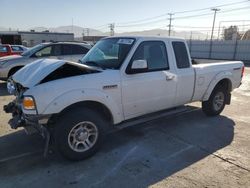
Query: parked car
70, 51
19, 48
121, 80
6, 50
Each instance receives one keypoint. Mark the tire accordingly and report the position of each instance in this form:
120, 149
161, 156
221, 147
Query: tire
216, 102
77, 130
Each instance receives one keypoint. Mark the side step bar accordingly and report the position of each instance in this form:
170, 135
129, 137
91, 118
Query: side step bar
157, 115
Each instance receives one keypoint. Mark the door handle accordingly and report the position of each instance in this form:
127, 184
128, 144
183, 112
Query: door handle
170, 77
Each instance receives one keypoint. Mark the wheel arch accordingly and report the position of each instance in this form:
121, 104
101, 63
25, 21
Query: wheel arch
223, 80
14, 69
93, 105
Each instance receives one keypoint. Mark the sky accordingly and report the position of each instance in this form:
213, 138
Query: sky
25, 14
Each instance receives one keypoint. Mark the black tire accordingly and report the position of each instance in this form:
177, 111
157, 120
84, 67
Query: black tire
210, 108
65, 126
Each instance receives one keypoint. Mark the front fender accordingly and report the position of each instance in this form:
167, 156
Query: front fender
217, 78
75, 96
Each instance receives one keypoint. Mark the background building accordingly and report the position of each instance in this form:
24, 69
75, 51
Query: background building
31, 38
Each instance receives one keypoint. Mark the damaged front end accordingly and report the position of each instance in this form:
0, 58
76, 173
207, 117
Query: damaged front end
14, 107
32, 123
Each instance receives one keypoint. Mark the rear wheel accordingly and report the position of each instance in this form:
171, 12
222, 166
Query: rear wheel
79, 133
216, 103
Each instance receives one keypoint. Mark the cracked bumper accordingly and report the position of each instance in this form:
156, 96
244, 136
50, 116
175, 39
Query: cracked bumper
31, 123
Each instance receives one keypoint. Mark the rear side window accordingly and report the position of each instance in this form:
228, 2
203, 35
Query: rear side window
181, 55
77, 49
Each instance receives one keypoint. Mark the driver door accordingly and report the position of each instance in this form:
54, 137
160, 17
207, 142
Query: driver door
150, 90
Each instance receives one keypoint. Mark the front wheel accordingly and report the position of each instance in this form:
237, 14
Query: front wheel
79, 133
216, 103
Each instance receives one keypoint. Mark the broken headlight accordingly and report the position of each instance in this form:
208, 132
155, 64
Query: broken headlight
11, 87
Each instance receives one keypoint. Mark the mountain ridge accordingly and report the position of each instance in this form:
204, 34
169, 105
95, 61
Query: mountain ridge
79, 31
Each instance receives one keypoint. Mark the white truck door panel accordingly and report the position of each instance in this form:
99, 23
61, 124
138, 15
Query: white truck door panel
147, 92
152, 89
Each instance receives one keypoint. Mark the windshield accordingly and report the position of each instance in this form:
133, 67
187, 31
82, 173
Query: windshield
32, 50
109, 53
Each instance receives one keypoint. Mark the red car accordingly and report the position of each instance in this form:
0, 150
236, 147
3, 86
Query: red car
6, 49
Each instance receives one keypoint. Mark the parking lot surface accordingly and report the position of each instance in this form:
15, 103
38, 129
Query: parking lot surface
190, 150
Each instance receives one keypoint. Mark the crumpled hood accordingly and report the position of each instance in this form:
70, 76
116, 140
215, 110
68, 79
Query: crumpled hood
31, 74
10, 57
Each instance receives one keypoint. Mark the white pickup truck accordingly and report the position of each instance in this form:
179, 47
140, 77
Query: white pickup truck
120, 80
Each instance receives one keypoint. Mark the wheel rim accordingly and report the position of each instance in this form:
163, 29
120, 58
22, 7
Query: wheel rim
218, 101
83, 136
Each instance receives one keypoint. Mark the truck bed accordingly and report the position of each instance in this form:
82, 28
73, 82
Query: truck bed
209, 71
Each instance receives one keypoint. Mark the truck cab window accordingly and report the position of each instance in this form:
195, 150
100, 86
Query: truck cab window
155, 53
181, 55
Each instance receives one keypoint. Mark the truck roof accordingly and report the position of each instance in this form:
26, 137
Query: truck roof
148, 37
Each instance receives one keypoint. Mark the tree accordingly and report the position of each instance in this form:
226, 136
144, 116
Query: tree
231, 33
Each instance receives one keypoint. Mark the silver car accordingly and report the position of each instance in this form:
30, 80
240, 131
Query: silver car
71, 51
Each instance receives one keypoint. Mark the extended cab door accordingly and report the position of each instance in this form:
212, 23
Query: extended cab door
152, 89
184, 72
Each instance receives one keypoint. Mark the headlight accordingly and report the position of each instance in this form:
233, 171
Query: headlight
11, 87
29, 103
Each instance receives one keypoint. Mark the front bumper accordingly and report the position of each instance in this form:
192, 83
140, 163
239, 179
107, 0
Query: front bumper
31, 123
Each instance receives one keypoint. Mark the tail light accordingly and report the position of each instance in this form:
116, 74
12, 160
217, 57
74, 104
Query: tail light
242, 71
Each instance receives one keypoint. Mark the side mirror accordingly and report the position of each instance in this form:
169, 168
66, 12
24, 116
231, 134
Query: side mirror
138, 66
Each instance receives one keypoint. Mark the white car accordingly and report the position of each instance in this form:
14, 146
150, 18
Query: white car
18, 48
121, 80
71, 51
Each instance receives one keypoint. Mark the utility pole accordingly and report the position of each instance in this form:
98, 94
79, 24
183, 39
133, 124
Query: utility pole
212, 33
87, 29
215, 12
112, 29
170, 23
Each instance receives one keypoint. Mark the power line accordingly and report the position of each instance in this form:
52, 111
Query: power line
142, 24
142, 20
181, 12
182, 17
218, 6
206, 14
